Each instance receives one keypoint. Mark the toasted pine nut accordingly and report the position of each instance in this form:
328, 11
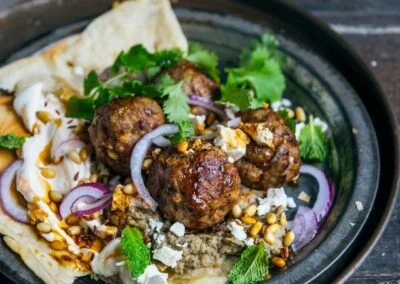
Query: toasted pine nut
251, 210
300, 114
269, 238
285, 253
279, 209
93, 177
129, 189
278, 261
83, 154
283, 219
274, 228
74, 230
290, 112
44, 116
48, 173
74, 156
255, 229
248, 220
58, 245
182, 146
72, 220
56, 196
96, 245
236, 211
53, 207
147, 163
87, 257
271, 218
43, 227
288, 238
112, 154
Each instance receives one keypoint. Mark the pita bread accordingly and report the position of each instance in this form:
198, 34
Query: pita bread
149, 22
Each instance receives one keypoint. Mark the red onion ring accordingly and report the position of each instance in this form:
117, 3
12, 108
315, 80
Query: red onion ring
8, 203
66, 146
234, 123
138, 155
207, 104
325, 191
304, 226
90, 208
161, 141
93, 190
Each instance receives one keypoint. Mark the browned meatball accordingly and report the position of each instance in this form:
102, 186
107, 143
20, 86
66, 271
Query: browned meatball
273, 163
197, 188
197, 82
117, 127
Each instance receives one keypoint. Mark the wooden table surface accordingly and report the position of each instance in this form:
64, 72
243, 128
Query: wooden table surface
372, 27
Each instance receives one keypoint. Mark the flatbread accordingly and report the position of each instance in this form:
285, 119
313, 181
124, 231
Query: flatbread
149, 22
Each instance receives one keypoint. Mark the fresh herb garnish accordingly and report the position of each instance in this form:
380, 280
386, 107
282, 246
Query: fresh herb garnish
251, 267
204, 59
11, 141
313, 143
289, 121
259, 78
135, 250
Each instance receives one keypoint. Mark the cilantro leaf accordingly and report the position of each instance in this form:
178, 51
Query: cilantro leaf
167, 58
204, 59
135, 250
236, 95
289, 121
11, 141
91, 82
251, 267
313, 143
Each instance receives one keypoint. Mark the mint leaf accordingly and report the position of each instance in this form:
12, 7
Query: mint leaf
11, 141
204, 59
313, 143
135, 250
251, 267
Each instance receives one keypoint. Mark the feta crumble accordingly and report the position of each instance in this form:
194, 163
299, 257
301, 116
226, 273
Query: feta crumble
178, 229
249, 242
237, 231
317, 121
155, 225
78, 71
159, 239
232, 141
281, 104
359, 206
304, 197
260, 133
152, 275
275, 197
167, 255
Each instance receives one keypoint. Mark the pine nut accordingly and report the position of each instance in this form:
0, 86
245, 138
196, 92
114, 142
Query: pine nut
288, 239
93, 177
58, 245
279, 209
255, 229
269, 238
146, 164
278, 261
72, 220
283, 219
289, 112
74, 230
74, 156
44, 116
251, 210
182, 146
112, 154
56, 196
274, 228
48, 173
236, 211
83, 154
96, 245
271, 218
300, 114
248, 220
87, 257
129, 189
53, 207
43, 227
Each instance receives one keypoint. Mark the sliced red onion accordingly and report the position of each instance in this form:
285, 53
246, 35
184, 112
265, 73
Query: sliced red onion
8, 203
66, 146
90, 208
94, 190
138, 155
304, 227
234, 123
325, 191
161, 141
207, 104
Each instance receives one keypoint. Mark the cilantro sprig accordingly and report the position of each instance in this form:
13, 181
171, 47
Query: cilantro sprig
204, 59
11, 141
137, 253
251, 267
313, 142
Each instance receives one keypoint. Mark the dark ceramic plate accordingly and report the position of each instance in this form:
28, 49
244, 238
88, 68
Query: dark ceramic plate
323, 75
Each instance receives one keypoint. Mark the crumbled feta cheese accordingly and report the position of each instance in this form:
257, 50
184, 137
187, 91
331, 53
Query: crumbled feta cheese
237, 231
198, 120
232, 141
359, 206
159, 239
231, 160
178, 229
304, 197
155, 225
167, 255
249, 242
78, 71
321, 123
281, 104
260, 133
352, 224
299, 127
151, 275
275, 197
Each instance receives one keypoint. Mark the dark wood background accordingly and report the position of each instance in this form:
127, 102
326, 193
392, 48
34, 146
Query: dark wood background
372, 27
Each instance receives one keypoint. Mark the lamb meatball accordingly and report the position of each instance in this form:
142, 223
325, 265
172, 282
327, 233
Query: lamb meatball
117, 127
272, 158
197, 188
197, 82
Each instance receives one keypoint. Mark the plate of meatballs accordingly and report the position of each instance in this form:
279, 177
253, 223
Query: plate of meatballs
220, 149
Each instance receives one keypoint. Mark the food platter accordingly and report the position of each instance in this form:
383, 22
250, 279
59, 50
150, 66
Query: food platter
322, 72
